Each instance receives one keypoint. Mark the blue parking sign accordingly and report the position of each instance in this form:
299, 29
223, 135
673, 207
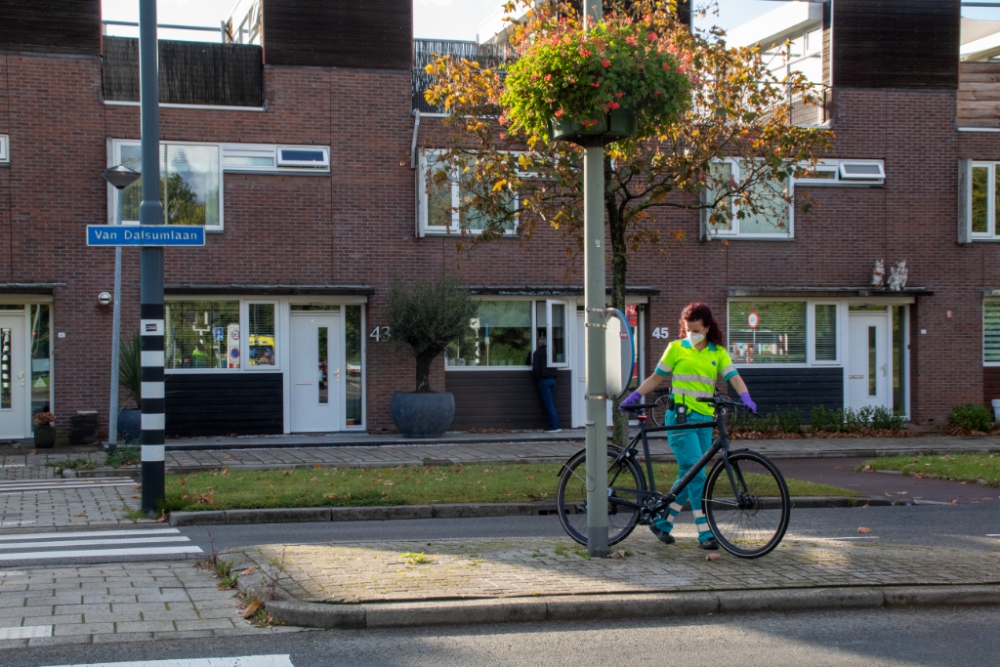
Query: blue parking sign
220, 334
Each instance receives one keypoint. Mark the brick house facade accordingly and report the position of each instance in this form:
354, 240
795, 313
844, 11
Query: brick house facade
323, 246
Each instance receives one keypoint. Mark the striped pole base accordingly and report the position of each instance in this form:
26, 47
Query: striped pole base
153, 421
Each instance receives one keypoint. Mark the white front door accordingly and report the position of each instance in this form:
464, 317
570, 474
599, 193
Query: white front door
868, 361
13, 379
317, 349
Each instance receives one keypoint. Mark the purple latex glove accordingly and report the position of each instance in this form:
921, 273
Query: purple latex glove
747, 401
634, 397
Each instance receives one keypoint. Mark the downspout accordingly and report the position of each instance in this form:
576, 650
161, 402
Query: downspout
413, 144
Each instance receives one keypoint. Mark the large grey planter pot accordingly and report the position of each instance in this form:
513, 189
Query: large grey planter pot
129, 426
423, 415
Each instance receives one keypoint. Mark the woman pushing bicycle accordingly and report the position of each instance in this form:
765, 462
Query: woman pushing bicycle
693, 364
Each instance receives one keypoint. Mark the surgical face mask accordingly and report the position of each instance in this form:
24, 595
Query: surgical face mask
695, 338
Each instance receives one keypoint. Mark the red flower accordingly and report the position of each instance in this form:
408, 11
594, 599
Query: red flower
560, 113
631, 41
620, 95
666, 66
548, 77
606, 63
596, 85
584, 52
652, 36
613, 105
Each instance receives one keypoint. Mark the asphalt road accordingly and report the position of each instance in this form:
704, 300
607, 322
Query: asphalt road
877, 638
933, 525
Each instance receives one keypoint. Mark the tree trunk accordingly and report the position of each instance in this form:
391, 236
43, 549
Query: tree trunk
619, 271
424, 371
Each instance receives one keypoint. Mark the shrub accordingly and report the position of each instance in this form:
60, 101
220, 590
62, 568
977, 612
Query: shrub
971, 417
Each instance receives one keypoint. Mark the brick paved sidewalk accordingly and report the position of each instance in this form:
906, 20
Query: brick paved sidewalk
32, 466
365, 572
117, 602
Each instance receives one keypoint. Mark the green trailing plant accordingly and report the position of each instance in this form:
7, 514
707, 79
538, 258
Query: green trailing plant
130, 368
971, 417
578, 75
426, 316
124, 455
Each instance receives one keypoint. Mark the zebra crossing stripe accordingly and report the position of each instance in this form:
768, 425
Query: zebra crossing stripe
241, 661
89, 533
94, 553
94, 543
26, 632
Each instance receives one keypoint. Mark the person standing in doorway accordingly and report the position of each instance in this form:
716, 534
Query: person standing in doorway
545, 378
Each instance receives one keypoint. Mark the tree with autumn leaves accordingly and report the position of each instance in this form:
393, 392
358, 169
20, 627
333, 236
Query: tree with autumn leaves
695, 105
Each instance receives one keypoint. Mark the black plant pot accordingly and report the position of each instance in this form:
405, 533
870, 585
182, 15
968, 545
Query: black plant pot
45, 437
423, 415
130, 426
613, 126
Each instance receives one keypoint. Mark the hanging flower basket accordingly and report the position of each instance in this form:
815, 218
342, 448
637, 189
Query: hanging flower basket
613, 81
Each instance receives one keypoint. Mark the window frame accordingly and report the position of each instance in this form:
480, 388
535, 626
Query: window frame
4, 149
713, 232
986, 301
424, 228
114, 194
548, 332
306, 165
991, 233
810, 331
835, 167
244, 324
245, 339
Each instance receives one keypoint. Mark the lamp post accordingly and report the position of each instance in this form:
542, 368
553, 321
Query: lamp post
119, 177
597, 420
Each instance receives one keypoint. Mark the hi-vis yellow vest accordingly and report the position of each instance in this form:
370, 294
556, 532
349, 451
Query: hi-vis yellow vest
695, 373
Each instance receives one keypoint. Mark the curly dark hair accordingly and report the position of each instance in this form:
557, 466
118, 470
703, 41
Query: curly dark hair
701, 312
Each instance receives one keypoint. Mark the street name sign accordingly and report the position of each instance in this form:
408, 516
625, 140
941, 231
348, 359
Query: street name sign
155, 236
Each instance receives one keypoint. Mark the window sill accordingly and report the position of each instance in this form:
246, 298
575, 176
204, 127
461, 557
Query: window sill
486, 368
985, 239
747, 237
436, 233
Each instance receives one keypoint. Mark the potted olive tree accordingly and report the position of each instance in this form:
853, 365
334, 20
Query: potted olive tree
130, 380
425, 317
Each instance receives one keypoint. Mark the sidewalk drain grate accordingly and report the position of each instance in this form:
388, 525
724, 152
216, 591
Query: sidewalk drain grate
27, 632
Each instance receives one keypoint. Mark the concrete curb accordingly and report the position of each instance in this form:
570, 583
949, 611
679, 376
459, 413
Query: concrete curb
646, 605
443, 511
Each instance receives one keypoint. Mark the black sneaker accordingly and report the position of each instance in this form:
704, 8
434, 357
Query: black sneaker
666, 538
711, 544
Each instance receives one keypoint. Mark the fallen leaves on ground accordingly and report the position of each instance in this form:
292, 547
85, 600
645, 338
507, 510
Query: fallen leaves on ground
80, 514
316, 466
711, 557
252, 608
247, 572
287, 473
864, 530
953, 501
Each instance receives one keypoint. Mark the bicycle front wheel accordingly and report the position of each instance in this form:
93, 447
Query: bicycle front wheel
750, 519
625, 482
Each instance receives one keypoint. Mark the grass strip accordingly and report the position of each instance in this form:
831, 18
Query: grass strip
367, 487
958, 467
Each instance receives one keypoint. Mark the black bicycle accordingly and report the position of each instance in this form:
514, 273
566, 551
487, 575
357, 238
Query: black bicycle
746, 499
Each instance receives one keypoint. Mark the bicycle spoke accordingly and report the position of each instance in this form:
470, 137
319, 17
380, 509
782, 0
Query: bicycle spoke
627, 485
753, 521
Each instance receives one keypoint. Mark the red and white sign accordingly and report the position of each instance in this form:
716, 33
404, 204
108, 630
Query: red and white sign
753, 319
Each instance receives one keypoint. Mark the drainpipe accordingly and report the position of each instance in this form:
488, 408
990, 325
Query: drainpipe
413, 144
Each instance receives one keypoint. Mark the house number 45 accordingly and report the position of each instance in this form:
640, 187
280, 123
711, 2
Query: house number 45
661, 332
380, 334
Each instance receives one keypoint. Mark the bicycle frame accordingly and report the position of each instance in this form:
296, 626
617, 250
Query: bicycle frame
720, 444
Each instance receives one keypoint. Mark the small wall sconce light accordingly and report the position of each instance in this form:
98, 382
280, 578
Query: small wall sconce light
104, 298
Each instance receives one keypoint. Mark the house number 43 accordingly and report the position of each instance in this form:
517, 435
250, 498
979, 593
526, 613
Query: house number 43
380, 334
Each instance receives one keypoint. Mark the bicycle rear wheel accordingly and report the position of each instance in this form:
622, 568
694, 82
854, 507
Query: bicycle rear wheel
658, 413
750, 520
625, 479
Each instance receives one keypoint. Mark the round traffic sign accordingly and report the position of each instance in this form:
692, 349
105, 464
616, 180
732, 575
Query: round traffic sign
753, 319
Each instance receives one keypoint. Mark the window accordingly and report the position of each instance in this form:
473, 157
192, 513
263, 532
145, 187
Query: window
261, 350
444, 197
772, 219
844, 173
41, 361
4, 149
777, 335
825, 337
501, 336
202, 334
314, 157
353, 341
550, 321
190, 183
991, 333
982, 217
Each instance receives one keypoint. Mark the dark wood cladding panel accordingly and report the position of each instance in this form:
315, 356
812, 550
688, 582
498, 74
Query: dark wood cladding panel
991, 384
367, 34
896, 43
190, 72
803, 389
202, 404
51, 26
505, 399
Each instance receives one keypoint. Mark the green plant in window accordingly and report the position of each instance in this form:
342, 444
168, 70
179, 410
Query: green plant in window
426, 316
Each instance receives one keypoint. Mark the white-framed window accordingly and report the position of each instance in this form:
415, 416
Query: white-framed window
4, 149
774, 218
506, 332
190, 183
784, 332
991, 332
221, 335
981, 212
844, 173
311, 157
268, 158
441, 192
